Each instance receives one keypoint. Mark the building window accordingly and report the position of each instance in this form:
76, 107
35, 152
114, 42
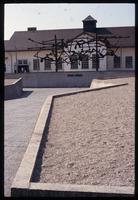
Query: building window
94, 64
22, 62
19, 62
129, 62
22, 66
85, 62
47, 64
74, 62
116, 61
59, 63
36, 64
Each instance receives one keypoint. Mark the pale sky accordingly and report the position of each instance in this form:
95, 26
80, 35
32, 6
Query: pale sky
18, 17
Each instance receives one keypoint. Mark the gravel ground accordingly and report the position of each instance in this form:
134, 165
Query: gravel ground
91, 138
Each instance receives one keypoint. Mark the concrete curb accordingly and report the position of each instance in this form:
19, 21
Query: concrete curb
23, 185
24, 173
89, 90
96, 83
71, 190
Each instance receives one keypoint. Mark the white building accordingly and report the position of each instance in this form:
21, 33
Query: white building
19, 51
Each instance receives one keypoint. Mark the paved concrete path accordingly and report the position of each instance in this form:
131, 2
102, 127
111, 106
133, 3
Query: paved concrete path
20, 117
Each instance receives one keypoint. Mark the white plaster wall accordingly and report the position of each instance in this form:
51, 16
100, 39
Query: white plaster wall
42, 64
122, 52
8, 62
23, 55
14, 56
29, 55
110, 62
105, 63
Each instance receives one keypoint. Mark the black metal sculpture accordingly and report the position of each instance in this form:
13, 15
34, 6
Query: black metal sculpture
75, 49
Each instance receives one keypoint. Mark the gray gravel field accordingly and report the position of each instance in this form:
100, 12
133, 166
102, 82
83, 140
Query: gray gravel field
91, 138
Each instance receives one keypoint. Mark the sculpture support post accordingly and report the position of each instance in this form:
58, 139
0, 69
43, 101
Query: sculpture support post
96, 54
56, 60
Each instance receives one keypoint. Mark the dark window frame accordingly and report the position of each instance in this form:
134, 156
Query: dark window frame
37, 63
59, 64
129, 64
85, 62
25, 62
117, 62
74, 62
22, 62
47, 64
94, 61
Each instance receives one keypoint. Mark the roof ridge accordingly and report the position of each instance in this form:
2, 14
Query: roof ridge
89, 18
50, 30
75, 29
117, 27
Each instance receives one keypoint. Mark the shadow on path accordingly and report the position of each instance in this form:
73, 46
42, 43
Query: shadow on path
24, 94
38, 164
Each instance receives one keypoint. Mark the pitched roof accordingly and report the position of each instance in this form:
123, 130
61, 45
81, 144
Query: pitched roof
19, 40
89, 18
123, 32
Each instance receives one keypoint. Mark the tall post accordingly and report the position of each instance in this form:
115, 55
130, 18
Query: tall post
56, 59
15, 68
96, 53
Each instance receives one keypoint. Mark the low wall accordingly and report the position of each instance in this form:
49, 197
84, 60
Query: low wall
13, 90
53, 79
65, 79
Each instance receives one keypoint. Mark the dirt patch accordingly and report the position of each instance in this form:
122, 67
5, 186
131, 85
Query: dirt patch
91, 138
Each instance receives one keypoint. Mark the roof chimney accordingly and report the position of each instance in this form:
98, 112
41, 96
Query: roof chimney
32, 28
89, 24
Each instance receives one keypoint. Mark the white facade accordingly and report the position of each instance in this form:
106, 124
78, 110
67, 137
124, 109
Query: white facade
122, 53
12, 58
105, 63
